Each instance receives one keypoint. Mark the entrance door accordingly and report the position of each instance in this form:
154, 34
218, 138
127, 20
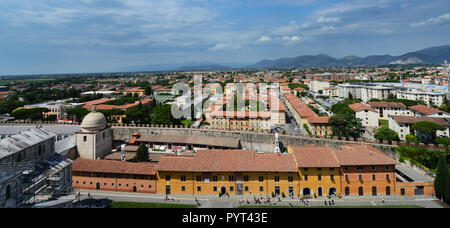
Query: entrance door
361, 191
277, 190
97, 186
223, 190
306, 192
332, 192
319, 192
419, 191
239, 190
168, 190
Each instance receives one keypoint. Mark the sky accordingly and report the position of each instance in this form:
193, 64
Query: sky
83, 36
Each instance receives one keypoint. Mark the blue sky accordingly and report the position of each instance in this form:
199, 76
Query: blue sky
76, 36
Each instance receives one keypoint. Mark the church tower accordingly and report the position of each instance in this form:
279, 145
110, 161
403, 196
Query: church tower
94, 141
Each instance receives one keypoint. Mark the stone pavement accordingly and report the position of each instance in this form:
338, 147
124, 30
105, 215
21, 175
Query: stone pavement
213, 201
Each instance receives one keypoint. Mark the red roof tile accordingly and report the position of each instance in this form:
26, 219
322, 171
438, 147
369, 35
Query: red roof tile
425, 109
108, 166
387, 105
361, 107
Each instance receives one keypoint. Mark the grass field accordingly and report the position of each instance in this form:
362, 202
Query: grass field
149, 205
384, 123
256, 207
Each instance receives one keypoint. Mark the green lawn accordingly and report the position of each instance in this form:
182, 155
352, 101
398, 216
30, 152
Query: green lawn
149, 205
255, 207
384, 123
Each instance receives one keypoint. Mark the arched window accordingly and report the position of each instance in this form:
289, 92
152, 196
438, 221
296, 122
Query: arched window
8, 192
319, 191
374, 191
361, 191
388, 191
347, 191
374, 177
387, 177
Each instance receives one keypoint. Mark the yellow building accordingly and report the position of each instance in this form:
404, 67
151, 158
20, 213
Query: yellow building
319, 126
234, 172
242, 121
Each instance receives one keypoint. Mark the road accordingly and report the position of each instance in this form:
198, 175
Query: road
213, 201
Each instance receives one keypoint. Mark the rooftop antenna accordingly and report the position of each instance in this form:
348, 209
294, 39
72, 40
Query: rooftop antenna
122, 149
277, 144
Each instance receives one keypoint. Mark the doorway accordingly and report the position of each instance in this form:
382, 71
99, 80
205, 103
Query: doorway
332, 192
319, 192
223, 190
97, 186
167, 189
306, 192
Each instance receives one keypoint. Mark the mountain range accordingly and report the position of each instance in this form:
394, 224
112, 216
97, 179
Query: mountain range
434, 55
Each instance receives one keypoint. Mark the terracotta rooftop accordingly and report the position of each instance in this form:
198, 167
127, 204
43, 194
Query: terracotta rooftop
229, 161
108, 166
387, 105
361, 107
362, 155
300, 107
315, 157
318, 120
415, 119
425, 109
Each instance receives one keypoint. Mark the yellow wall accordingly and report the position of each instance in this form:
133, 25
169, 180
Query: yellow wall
326, 183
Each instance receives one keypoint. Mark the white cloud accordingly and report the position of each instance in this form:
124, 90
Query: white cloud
445, 18
220, 47
324, 20
265, 38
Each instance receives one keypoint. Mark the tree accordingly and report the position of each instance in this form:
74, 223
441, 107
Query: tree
385, 133
412, 138
162, 115
341, 108
142, 154
442, 141
345, 125
441, 177
428, 129
29, 114
78, 113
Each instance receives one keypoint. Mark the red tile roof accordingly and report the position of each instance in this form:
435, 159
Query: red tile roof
108, 166
351, 155
300, 107
229, 161
425, 109
318, 120
361, 107
387, 105
315, 157
415, 119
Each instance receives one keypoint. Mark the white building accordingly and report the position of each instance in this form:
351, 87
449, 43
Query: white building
425, 111
94, 141
376, 92
368, 115
386, 109
402, 125
316, 86
29, 166
429, 98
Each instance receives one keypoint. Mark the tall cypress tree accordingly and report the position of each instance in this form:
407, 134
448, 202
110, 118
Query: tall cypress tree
441, 177
142, 154
447, 190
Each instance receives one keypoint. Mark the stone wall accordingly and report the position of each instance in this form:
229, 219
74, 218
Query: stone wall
261, 142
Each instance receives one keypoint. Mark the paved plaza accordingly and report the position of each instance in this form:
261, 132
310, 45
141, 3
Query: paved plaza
213, 201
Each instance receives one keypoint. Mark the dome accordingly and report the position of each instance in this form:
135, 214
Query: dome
94, 121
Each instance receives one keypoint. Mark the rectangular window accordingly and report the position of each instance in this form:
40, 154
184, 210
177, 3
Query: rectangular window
231, 189
215, 188
183, 188
183, 178
291, 179
199, 178
199, 189
277, 179
167, 178
261, 189
231, 178
84, 138
319, 177
214, 178
246, 188
359, 168
246, 178
261, 179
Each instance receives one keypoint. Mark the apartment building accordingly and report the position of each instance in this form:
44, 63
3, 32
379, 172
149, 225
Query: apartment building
386, 109
368, 115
